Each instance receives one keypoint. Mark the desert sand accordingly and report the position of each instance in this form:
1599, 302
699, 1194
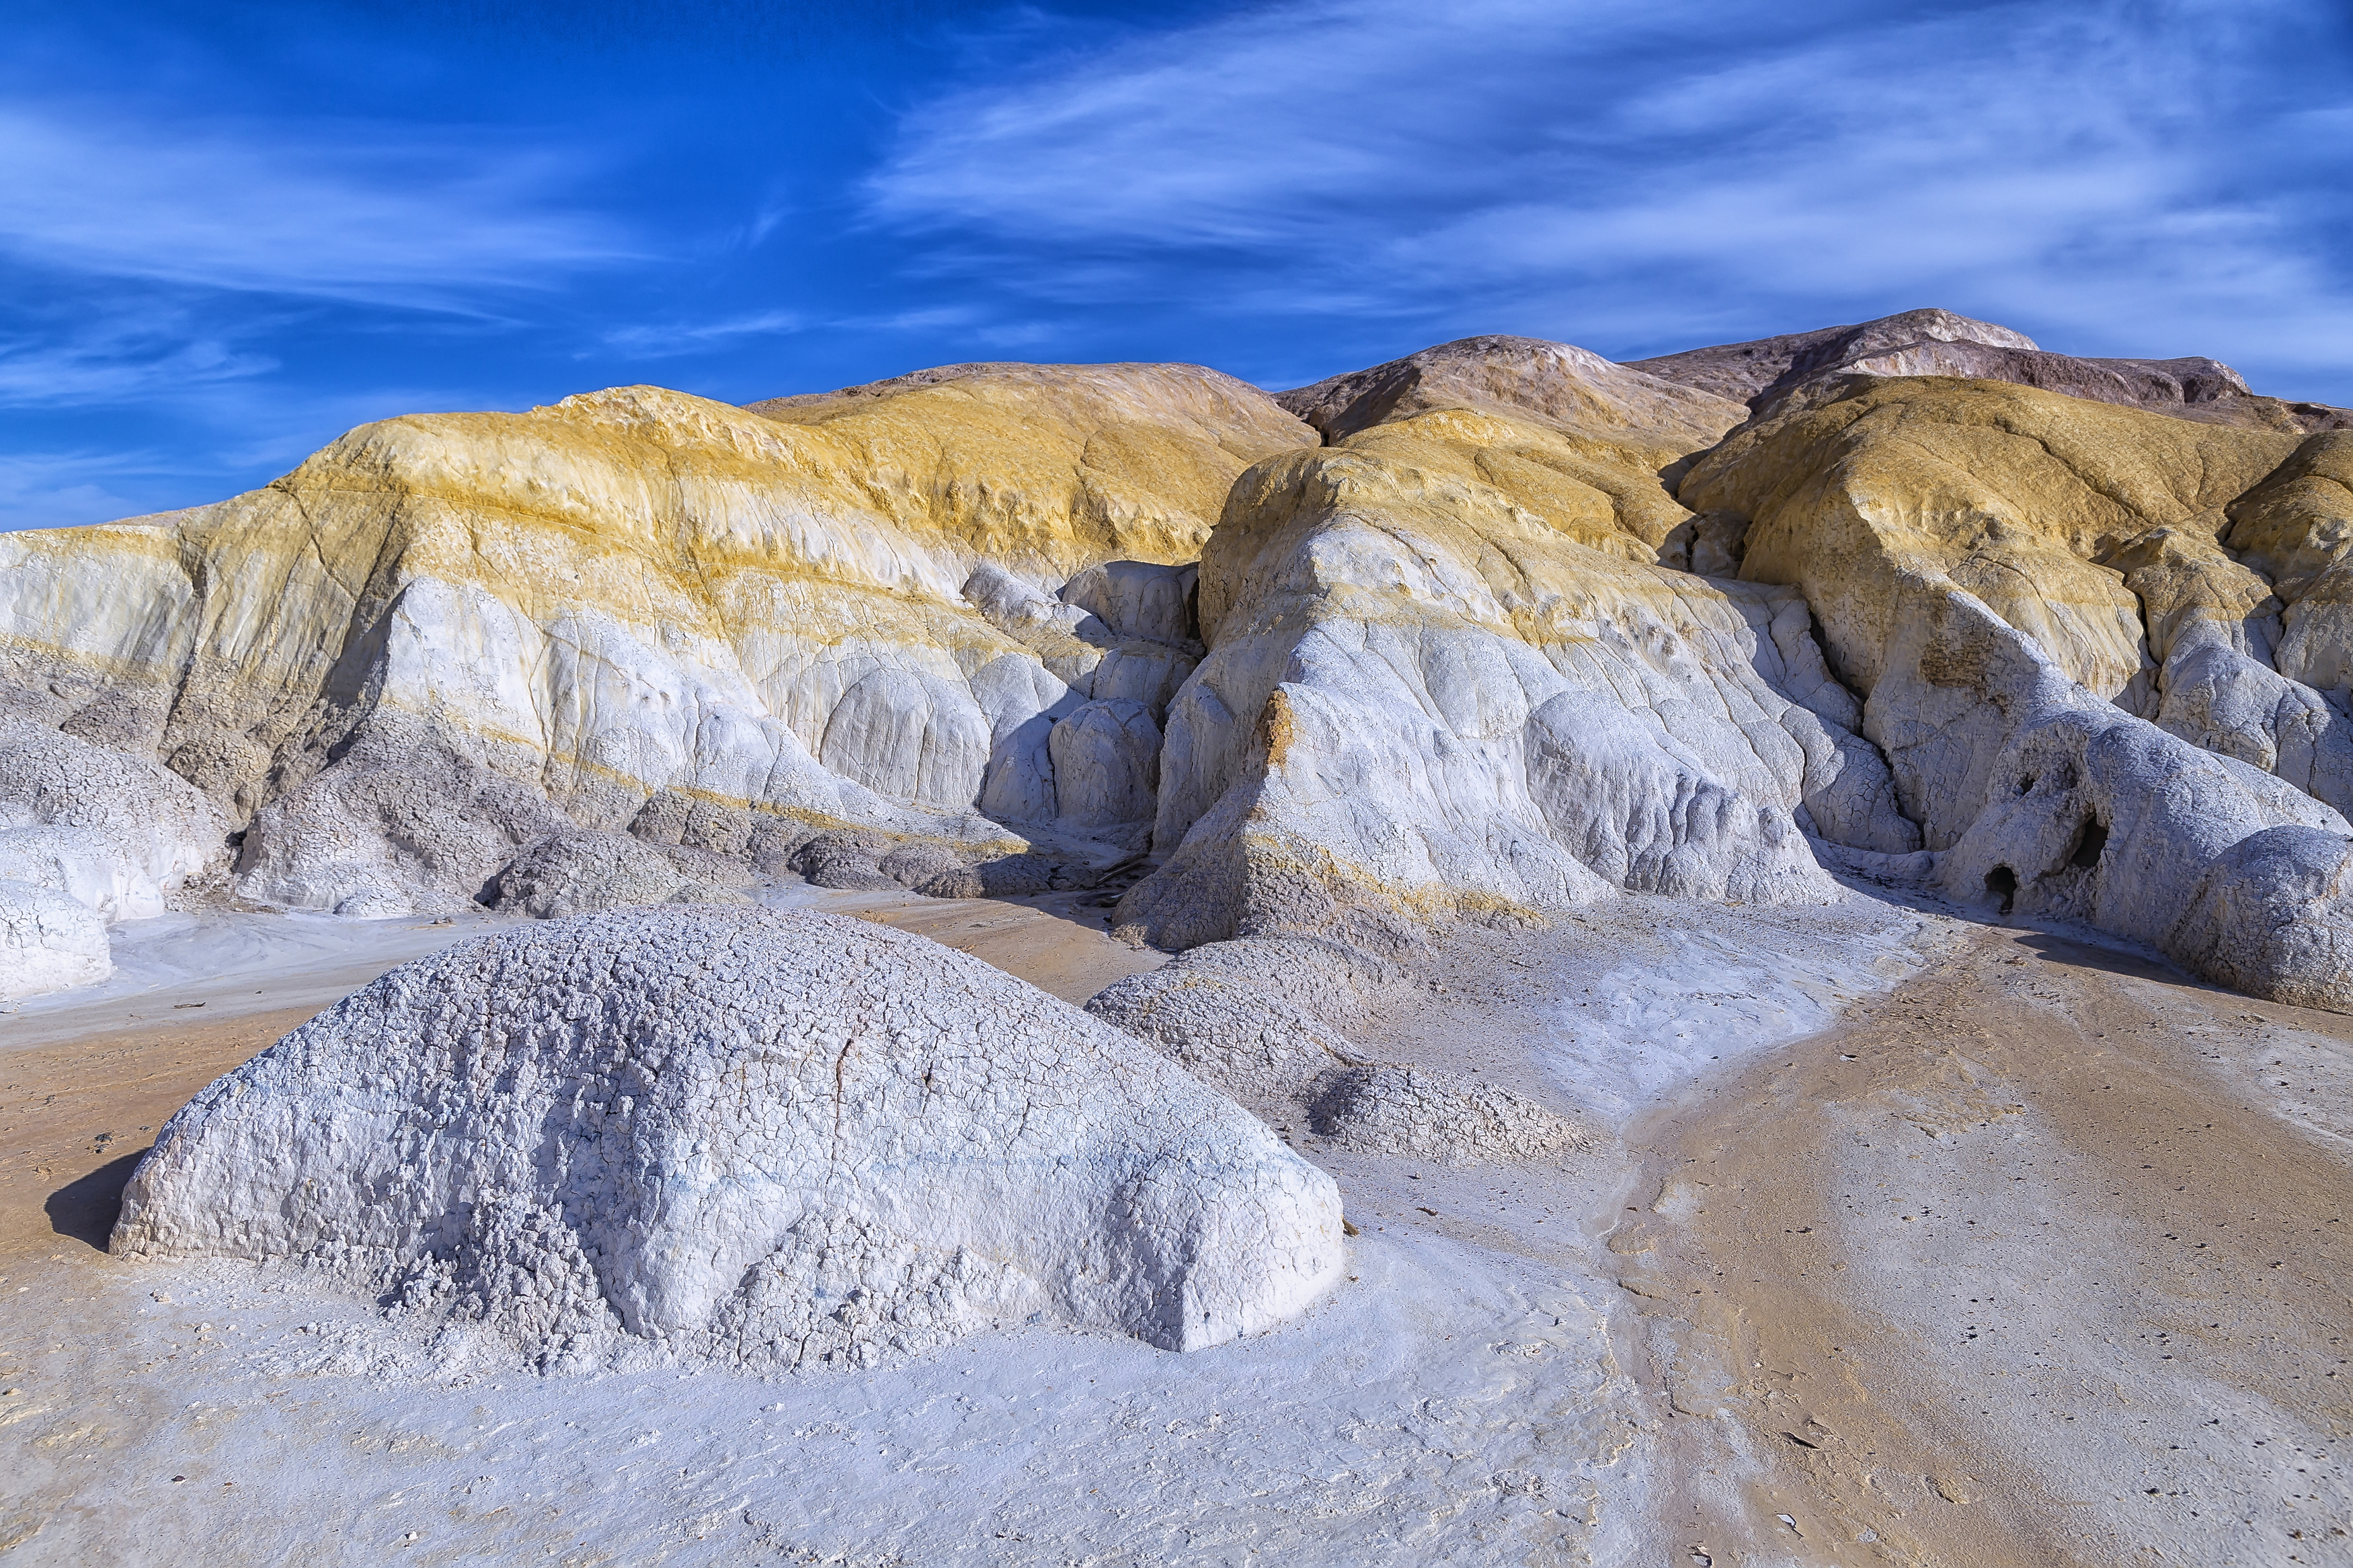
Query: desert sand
1743, 959
1950, 1244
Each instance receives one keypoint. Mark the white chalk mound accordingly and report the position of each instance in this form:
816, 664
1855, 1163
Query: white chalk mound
112, 831
1234, 1015
48, 940
753, 1138
580, 872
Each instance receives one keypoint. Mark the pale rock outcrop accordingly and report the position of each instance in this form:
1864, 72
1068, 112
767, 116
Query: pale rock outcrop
1235, 1034
1106, 759
116, 832
1774, 374
2296, 527
758, 1138
1444, 1118
1980, 557
1137, 599
1229, 1014
575, 873
84, 866
88, 836
443, 637
1447, 678
2274, 917
1527, 379
49, 940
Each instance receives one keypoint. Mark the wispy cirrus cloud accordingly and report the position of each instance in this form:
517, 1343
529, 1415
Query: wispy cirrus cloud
649, 340
2120, 176
347, 212
168, 268
118, 356
676, 340
62, 489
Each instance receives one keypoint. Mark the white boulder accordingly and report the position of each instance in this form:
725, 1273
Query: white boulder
756, 1138
1235, 1015
118, 832
48, 940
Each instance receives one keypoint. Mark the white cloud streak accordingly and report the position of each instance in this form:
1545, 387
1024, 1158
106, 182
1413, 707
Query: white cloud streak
119, 357
67, 489
664, 341
325, 212
1648, 175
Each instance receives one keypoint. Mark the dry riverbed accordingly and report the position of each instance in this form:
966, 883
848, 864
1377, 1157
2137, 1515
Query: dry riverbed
1923, 1242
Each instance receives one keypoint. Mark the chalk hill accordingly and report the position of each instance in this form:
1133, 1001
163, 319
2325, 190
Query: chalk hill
763, 1140
1479, 634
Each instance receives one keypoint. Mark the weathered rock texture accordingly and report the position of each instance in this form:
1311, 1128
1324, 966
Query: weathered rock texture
2075, 680
755, 1138
444, 638
114, 832
1449, 675
1243, 1016
48, 940
577, 873
88, 836
1486, 631
1769, 373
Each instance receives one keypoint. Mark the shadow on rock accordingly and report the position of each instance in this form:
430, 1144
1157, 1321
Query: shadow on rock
84, 1208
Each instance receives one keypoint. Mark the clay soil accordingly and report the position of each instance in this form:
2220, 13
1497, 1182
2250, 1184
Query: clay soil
2041, 1260
2038, 1258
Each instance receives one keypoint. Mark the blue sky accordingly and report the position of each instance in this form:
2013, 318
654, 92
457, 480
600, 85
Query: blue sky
229, 232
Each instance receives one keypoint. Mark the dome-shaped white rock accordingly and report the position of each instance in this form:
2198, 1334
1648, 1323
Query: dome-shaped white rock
113, 830
48, 940
1106, 757
762, 1137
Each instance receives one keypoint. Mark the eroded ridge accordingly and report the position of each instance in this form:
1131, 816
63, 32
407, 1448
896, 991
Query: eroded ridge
737, 1136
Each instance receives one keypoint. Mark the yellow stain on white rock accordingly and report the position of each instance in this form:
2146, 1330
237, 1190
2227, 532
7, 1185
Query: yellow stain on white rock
632, 590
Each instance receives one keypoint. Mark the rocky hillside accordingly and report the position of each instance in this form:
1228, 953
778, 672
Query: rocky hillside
1483, 633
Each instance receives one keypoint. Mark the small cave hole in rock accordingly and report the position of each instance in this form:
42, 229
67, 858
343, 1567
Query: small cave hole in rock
2026, 784
2001, 882
2090, 839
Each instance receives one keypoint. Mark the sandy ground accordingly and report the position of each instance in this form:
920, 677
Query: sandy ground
2043, 1260
1924, 1243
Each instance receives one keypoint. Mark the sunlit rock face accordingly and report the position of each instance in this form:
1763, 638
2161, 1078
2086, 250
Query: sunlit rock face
1449, 675
1769, 375
444, 638
50, 941
1482, 633
748, 1138
2069, 623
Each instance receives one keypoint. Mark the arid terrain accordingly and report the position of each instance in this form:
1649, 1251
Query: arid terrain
2011, 1247
1500, 959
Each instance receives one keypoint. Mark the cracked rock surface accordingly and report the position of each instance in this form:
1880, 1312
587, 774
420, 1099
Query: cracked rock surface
740, 1137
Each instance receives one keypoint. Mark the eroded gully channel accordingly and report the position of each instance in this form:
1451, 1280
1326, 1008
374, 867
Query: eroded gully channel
2040, 1259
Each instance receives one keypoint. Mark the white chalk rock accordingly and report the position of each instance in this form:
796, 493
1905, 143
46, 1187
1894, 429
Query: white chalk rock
579, 873
48, 940
121, 832
1230, 1033
442, 637
84, 866
2274, 917
759, 1138
411, 819
1236, 1016
1138, 598
1106, 759
1422, 699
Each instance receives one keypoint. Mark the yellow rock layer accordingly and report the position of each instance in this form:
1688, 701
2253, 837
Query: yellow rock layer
2031, 500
